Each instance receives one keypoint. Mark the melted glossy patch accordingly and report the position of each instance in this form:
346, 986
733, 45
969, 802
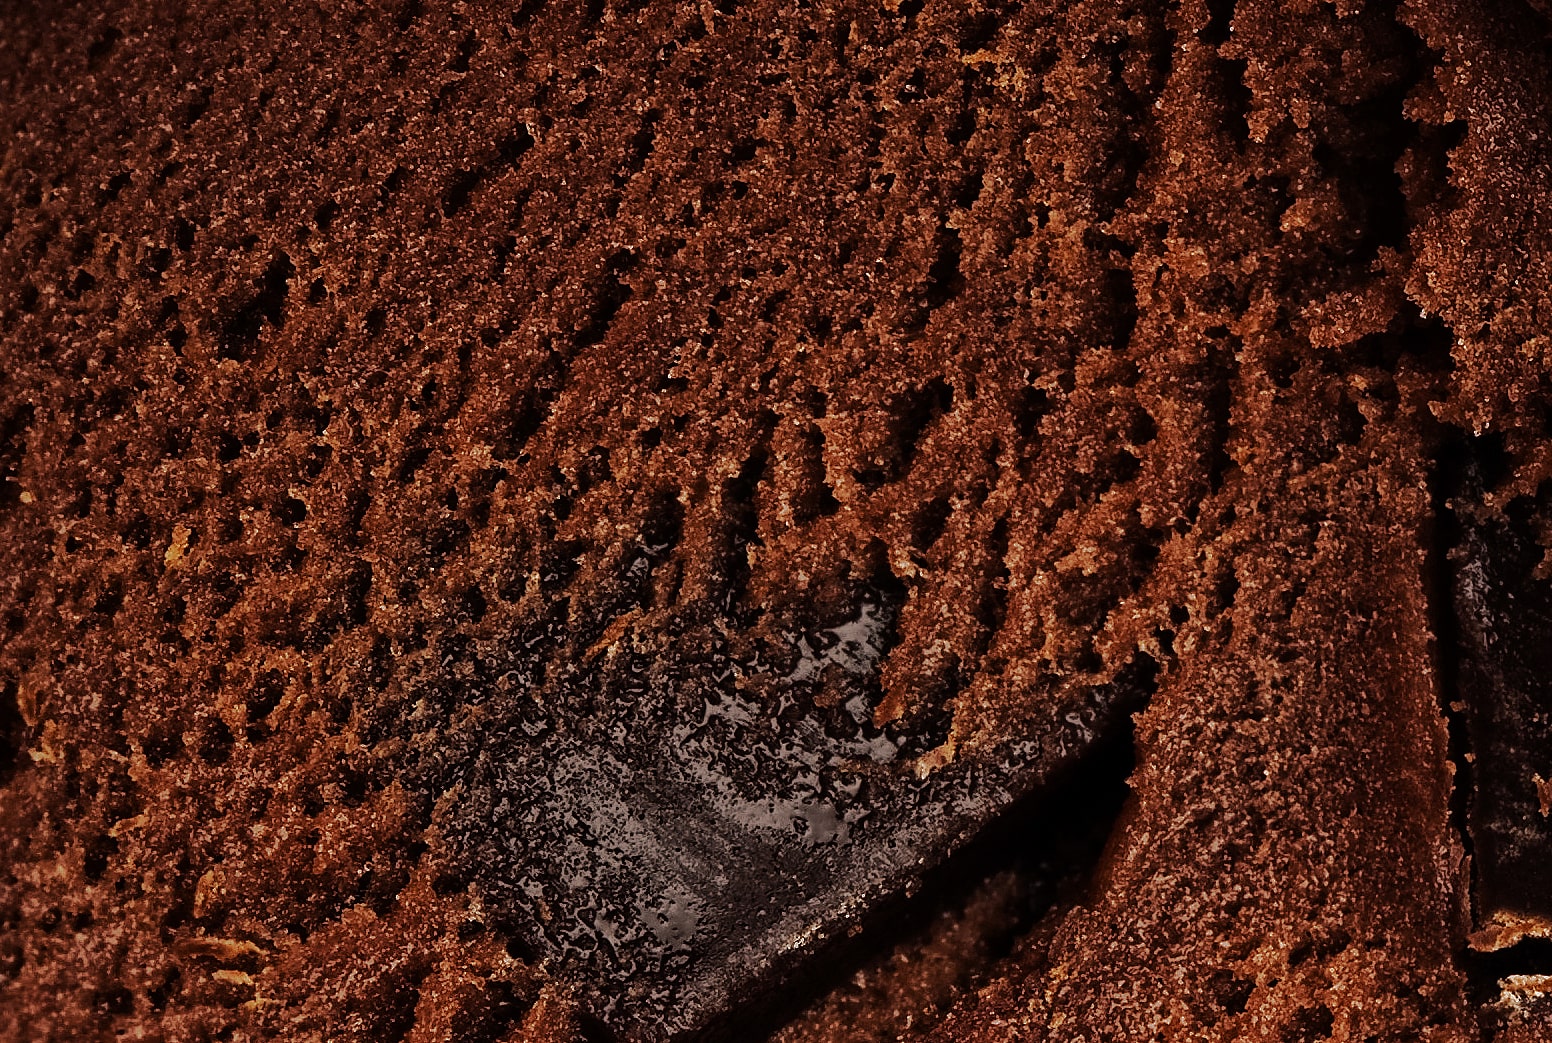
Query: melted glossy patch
678, 831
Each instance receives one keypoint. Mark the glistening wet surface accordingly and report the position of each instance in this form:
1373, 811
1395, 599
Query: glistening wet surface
698, 846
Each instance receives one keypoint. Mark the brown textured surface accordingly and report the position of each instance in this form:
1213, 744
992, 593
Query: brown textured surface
1277, 890
920, 980
345, 354
1479, 264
